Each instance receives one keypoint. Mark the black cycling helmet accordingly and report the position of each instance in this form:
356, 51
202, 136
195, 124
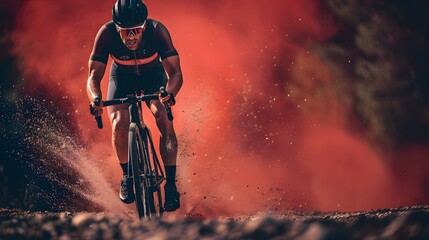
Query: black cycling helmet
129, 13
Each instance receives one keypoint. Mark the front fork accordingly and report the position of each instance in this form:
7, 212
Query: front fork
135, 112
136, 117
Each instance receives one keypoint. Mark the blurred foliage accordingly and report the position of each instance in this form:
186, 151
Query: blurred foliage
379, 60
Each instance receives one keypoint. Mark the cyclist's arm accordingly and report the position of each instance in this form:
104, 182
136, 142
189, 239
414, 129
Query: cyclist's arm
97, 62
96, 73
170, 59
175, 79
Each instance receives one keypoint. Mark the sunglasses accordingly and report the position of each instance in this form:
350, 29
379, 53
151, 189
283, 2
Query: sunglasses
125, 32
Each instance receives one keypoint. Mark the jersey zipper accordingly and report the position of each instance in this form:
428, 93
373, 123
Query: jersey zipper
135, 62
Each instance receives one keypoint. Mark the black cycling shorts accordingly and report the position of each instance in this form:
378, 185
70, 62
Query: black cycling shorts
124, 82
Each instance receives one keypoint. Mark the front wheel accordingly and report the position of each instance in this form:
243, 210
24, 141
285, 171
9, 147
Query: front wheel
135, 141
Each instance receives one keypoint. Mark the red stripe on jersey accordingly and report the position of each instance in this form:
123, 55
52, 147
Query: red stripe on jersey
133, 62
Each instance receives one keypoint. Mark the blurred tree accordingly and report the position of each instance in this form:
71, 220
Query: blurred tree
379, 62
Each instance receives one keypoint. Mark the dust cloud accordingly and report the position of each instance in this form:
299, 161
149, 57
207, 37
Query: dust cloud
258, 124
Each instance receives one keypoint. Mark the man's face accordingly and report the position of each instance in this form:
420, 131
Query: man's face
131, 37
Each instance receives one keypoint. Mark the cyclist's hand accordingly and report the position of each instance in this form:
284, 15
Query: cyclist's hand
169, 99
96, 107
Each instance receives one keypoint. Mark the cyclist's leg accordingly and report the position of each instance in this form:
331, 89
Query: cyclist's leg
119, 118
168, 151
168, 140
119, 86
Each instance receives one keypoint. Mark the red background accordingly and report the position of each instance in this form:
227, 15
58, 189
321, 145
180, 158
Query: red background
258, 123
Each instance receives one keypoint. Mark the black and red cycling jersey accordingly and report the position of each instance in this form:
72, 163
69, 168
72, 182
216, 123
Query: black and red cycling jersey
155, 46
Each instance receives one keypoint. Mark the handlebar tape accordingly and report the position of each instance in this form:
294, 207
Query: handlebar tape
98, 118
99, 122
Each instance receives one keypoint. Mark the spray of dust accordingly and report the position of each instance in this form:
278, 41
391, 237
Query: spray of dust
258, 125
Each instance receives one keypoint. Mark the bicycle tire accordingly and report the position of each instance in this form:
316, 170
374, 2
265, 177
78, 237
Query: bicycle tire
154, 200
148, 201
134, 141
157, 203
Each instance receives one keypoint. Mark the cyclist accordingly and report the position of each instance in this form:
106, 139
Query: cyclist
143, 60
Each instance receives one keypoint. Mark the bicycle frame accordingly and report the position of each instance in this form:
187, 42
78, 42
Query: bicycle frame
151, 175
142, 157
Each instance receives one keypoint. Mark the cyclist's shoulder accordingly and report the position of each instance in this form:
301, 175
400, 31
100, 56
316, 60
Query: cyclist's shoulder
106, 32
152, 22
109, 26
155, 24
105, 35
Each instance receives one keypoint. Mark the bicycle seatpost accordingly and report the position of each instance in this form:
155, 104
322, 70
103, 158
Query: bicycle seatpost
167, 108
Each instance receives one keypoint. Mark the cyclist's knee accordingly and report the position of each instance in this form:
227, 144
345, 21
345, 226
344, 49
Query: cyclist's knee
159, 112
162, 119
120, 121
164, 125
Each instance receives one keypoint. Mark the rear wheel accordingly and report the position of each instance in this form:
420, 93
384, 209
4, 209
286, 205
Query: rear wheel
155, 201
157, 177
153, 178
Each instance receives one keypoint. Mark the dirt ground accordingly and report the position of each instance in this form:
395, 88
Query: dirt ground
397, 223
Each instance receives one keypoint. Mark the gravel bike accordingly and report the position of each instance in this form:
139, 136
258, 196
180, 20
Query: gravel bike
143, 163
